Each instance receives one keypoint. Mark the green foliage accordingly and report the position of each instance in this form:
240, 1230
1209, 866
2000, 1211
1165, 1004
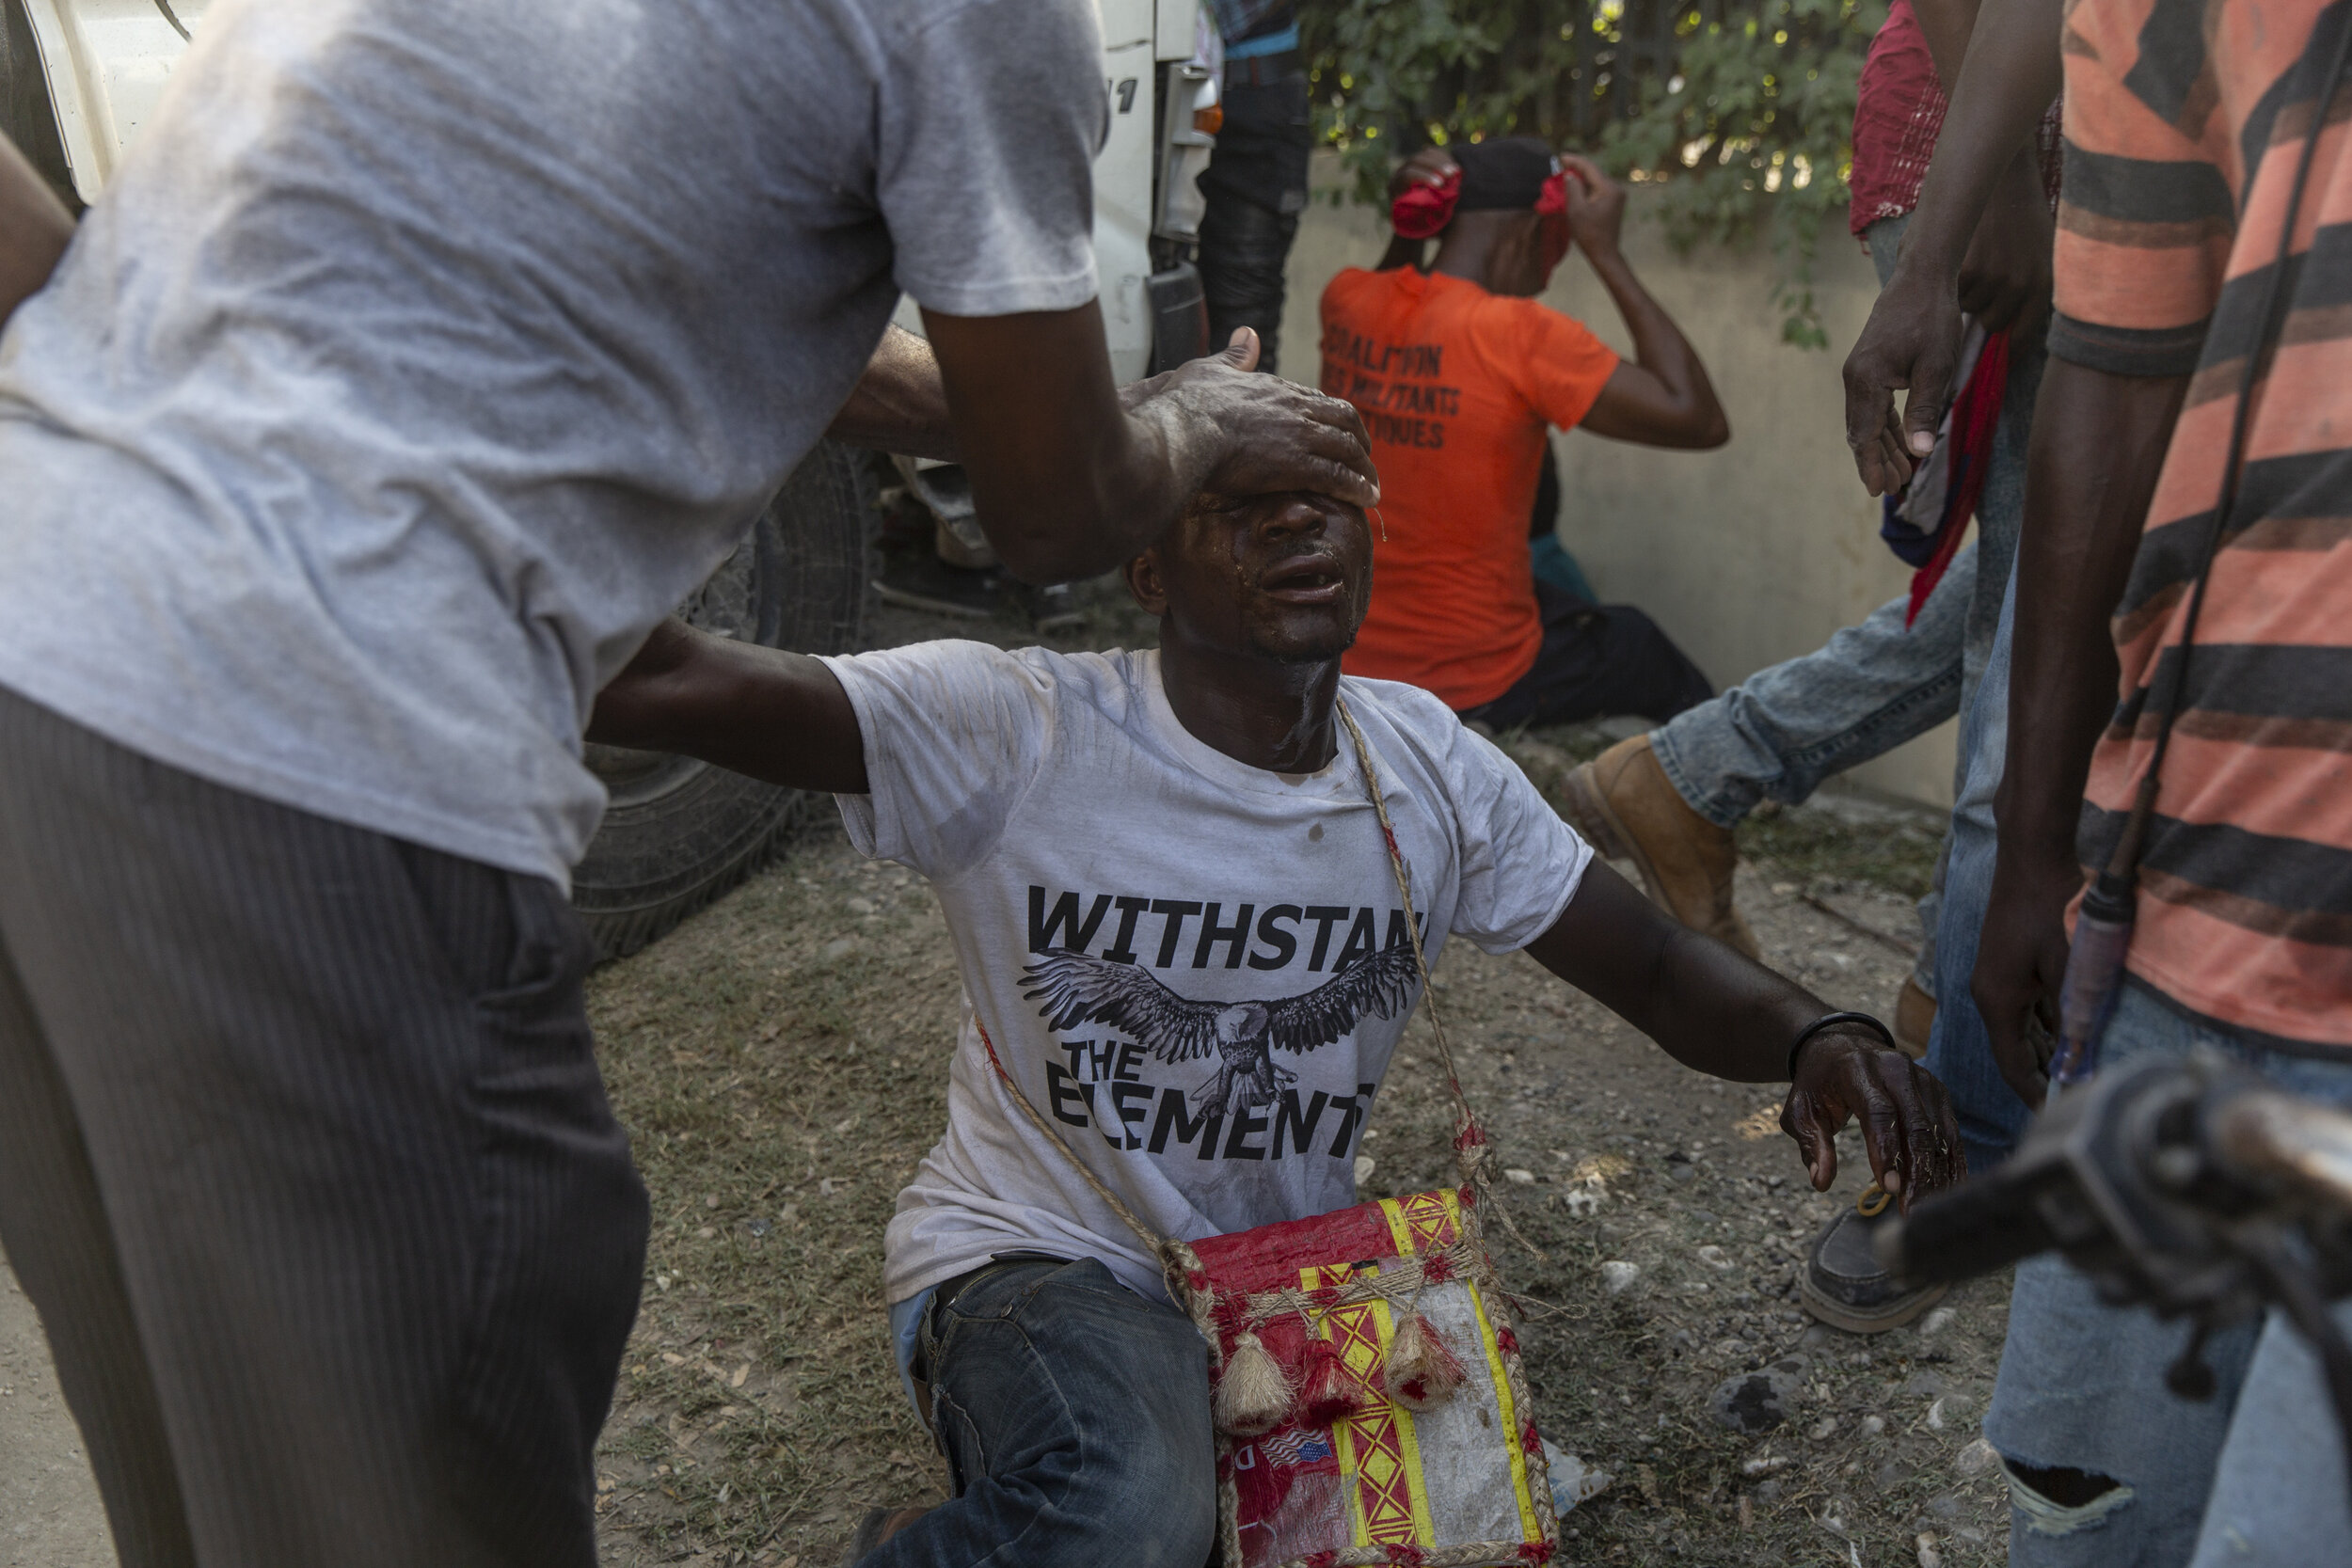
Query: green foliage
1740, 111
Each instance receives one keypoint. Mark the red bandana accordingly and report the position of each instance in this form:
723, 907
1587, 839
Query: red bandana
1424, 210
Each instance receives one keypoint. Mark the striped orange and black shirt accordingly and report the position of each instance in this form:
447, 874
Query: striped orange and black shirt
2185, 122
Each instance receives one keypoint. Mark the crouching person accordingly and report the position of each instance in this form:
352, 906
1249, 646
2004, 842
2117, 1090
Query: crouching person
1177, 922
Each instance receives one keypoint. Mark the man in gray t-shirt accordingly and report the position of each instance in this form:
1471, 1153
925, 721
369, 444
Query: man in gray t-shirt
422, 355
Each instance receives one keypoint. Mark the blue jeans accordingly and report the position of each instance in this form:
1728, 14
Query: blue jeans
1075, 1415
1960, 1053
1782, 730
2253, 1476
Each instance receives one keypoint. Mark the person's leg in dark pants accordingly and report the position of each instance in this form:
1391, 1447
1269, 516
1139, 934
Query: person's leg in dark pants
1256, 186
1076, 1418
1597, 661
370, 1240
53, 1225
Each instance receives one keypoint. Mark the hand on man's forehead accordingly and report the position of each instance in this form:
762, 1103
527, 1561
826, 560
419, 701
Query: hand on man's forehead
1209, 502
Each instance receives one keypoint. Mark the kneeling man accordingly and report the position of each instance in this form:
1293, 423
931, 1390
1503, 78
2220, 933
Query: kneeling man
1175, 917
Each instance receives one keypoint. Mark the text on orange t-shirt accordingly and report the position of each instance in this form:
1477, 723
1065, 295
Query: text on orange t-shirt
1457, 388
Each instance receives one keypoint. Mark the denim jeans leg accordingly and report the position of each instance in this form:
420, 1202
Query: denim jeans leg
2082, 1386
2000, 517
2001, 509
1779, 733
1075, 1417
1782, 730
1960, 1053
2277, 1494
2278, 1498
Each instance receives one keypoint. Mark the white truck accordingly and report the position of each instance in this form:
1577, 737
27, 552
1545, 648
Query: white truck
80, 78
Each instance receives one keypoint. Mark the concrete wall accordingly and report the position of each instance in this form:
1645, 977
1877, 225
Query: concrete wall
1748, 555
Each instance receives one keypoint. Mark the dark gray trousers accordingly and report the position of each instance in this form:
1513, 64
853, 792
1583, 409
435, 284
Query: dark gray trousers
306, 1162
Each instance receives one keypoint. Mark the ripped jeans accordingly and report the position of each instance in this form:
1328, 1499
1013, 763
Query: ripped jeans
2253, 1478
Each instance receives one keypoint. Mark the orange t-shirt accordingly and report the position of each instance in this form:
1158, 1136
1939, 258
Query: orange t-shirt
1457, 386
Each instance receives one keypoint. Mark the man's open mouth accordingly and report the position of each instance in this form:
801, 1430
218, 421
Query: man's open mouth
1304, 579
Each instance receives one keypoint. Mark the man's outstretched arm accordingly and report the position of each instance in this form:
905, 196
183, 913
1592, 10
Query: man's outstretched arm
2098, 444
1070, 478
35, 229
776, 716
1726, 1015
1661, 397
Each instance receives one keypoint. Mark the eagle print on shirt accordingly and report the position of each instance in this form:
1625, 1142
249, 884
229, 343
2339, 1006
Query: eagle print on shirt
1075, 989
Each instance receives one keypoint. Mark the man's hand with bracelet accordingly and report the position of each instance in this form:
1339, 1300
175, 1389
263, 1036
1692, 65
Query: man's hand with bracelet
1726, 1015
1846, 1067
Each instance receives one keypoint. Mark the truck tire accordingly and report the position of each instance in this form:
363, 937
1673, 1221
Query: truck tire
679, 833
25, 115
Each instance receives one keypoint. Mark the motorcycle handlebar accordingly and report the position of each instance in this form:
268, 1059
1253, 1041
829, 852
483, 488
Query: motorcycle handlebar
2136, 1164
2266, 1137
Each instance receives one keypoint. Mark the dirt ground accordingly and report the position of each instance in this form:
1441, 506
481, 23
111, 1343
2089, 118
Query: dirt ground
50, 1515
781, 1062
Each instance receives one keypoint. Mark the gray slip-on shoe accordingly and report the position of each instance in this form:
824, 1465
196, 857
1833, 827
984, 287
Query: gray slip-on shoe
1846, 1285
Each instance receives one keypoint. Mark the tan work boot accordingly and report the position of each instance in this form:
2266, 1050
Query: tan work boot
1624, 806
1914, 1020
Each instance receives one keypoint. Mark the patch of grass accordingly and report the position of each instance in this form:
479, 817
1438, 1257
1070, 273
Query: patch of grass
1880, 847
781, 1063
1809, 845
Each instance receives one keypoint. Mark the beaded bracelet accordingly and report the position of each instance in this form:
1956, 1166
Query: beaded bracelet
1831, 1021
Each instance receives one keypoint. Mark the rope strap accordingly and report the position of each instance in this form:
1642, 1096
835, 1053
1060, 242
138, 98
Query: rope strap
1470, 1138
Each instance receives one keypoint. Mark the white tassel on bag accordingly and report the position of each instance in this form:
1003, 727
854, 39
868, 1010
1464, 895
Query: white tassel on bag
1254, 1394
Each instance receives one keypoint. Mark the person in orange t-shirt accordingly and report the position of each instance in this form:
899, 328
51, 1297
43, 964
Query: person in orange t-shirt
1459, 374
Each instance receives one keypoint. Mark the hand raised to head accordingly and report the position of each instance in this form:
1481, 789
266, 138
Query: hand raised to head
1431, 166
1596, 204
1261, 435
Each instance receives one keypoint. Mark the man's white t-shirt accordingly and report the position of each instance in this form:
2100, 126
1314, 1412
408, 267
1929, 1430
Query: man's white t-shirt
1196, 968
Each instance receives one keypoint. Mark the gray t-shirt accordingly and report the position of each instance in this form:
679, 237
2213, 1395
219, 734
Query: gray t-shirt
425, 353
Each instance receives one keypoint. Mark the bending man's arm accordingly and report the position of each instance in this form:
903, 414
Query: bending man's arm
900, 403
1068, 478
2098, 444
1730, 1017
35, 229
1662, 398
1912, 340
776, 716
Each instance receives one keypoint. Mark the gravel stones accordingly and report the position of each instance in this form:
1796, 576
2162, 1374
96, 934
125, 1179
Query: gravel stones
1758, 1402
1616, 1275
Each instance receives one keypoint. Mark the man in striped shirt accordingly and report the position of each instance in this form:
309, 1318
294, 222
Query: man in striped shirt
2186, 124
